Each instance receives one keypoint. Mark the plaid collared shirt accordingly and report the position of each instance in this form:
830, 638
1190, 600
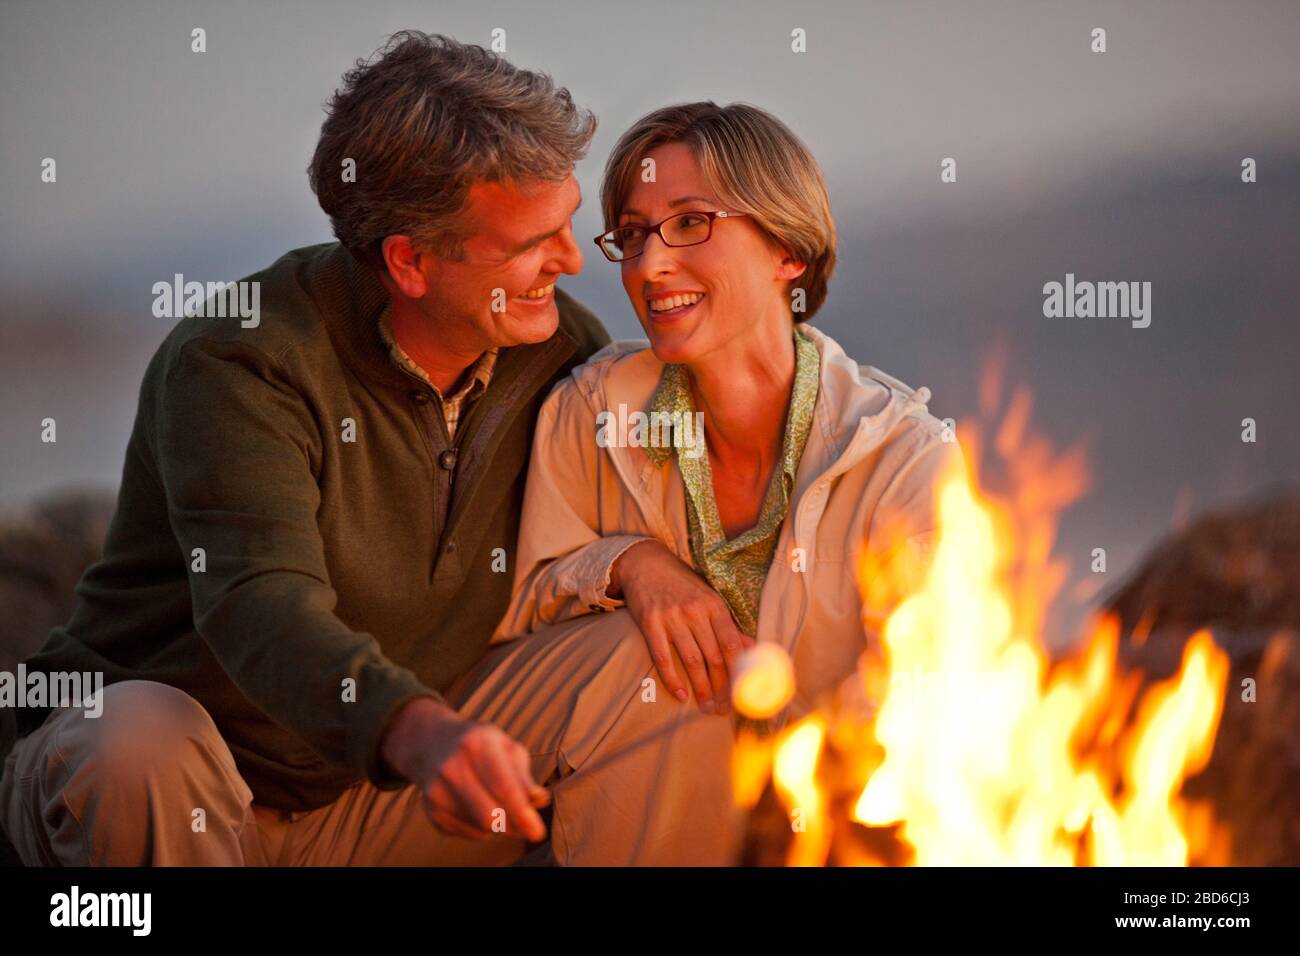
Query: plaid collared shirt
453, 405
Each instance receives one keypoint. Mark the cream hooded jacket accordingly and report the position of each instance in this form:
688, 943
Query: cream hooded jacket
874, 456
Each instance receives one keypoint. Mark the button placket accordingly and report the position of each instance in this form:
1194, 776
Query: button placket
434, 428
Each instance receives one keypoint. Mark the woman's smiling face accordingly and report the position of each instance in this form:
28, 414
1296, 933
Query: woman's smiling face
742, 274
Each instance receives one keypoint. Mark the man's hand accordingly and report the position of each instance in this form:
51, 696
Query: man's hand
675, 607
465, 771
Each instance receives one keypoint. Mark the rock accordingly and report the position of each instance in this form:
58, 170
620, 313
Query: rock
43, 551
1237, 573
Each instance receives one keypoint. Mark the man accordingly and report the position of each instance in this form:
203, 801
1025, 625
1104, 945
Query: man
315, 534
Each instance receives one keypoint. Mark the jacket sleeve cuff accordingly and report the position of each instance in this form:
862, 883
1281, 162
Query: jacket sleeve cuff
378, 720
593, 568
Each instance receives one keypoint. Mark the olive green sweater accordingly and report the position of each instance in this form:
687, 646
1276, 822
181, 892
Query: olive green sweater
330, 569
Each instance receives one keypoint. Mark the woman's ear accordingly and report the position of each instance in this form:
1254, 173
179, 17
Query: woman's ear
791, 268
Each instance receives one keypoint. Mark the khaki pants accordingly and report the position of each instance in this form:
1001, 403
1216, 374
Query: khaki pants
633, 782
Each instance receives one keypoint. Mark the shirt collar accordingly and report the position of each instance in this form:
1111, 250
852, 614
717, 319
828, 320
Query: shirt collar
480, 373
673, 397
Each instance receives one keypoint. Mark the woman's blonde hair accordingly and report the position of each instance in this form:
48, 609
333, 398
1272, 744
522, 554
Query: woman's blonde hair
756, 165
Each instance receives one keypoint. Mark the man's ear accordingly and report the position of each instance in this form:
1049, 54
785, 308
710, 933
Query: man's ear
406, 266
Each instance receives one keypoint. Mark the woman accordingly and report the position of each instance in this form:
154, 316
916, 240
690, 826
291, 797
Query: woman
719, 222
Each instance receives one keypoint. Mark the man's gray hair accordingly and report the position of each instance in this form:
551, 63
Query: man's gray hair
424, 119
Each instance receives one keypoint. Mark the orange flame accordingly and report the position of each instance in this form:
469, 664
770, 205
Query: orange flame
991, 755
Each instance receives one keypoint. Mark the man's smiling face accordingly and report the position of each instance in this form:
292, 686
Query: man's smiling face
518, 240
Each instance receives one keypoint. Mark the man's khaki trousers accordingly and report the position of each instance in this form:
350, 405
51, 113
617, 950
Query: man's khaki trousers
634, 782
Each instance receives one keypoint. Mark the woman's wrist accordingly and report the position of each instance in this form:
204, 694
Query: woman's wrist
618, 571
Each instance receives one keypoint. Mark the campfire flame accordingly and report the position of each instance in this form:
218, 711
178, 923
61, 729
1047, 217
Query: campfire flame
982, 751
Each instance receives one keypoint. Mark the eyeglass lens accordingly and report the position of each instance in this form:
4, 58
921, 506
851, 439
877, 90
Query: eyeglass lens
686, 229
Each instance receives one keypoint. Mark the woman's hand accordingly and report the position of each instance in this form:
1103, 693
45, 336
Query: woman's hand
675, 607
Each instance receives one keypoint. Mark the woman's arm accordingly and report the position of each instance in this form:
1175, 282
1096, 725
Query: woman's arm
569, 564
564, 557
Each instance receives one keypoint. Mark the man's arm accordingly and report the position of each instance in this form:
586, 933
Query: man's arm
235, 446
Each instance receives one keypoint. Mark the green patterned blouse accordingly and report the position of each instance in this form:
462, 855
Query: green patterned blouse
737, 568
